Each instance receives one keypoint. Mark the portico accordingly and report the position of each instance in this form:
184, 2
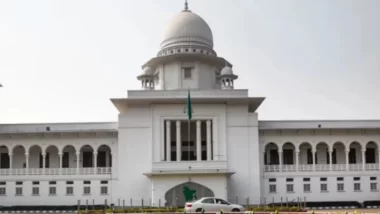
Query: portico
188, 140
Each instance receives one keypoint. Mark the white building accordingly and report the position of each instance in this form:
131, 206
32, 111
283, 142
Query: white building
151, 155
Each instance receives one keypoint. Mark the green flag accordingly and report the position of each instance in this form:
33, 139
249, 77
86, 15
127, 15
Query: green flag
189, 110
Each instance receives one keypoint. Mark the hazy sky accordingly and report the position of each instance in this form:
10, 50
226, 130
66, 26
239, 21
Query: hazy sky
62, 60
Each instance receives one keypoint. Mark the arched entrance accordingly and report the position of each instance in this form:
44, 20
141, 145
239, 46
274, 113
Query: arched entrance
180, 194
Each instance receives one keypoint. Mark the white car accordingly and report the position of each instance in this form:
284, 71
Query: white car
210, 204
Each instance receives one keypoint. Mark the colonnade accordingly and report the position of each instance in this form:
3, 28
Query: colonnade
179, 139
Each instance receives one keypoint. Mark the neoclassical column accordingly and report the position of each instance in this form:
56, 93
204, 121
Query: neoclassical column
95, 164
10, 163
78, 160
313, 152
363, 158
208, 140
43, 162
280, 159
331, 160
297, 159
27, 163
378, 156
347, 163
179, 142
199, 145
60, 162
168, 141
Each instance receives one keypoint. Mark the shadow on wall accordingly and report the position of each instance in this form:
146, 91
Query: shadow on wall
180, 194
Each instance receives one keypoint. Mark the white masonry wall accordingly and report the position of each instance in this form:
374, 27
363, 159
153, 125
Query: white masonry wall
244, 157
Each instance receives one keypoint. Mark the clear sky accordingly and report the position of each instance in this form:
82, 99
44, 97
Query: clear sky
62, 60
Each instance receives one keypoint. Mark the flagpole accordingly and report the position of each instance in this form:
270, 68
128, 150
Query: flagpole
188, 140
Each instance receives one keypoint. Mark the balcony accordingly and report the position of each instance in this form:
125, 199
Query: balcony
188, 167
322, 168
55, 171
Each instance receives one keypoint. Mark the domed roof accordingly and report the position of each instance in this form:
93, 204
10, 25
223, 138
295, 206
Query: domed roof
226, 71
147, 71
187, 28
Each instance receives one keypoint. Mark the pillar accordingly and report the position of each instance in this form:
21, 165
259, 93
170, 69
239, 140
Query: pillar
199, 144
43, 162
208, 133
331, 160
78, 160
347, 163
297, 160
60, 163
363, 158
313, 152
10, 163
95, 162
378, 156
27, 163
280, 159
179, 142
168, 141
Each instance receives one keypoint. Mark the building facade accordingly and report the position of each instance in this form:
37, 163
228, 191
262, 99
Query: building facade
155, 156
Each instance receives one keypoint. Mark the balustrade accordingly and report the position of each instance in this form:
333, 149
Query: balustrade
56, 171
322, 167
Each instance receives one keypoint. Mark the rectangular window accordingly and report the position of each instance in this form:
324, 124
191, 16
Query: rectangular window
103, 182
340, 187
52, 182
86, 182
356, 178
36, 182
373, 186
323, 179
3, 183
306, 188
356, 187
2, 191
52, 190
272, 179
69, 190
306, 179
18, 182
289, 188
103, 190
187, 72
323, 187
35, 190
69, 182
339, 178
289, 180
86, 190
373, 178
272, 188
18, 191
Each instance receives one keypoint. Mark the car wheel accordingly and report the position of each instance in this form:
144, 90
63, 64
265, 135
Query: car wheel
235, 210
198, 210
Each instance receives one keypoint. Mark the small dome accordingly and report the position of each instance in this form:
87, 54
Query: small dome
226, 71
187, 28
147, 71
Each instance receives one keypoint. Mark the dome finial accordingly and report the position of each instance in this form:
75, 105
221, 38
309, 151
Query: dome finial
186, 6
